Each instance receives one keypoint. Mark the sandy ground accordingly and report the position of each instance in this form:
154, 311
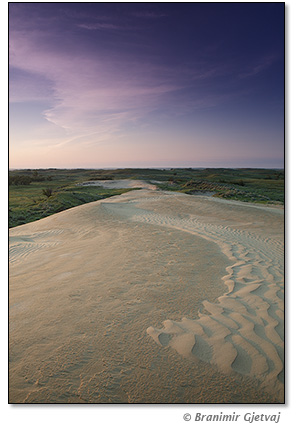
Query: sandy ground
148, 297
121, 184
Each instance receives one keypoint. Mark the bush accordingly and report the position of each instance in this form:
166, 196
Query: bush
19, 180
48, 192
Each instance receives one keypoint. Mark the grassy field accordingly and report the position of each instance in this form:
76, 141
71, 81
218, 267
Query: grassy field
34, 194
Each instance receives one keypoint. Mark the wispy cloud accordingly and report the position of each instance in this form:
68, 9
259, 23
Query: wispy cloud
260, 66
92, 96
101, 26
89, 96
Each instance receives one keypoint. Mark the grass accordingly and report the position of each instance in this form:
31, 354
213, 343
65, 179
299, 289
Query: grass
40, 199
54, 190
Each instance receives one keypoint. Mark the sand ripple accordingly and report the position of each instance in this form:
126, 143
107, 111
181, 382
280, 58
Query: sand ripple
243, 330
20, 246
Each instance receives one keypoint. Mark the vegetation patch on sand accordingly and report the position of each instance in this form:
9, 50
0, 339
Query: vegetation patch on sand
54, 191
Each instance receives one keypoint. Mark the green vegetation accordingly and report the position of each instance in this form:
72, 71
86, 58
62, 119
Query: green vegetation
34, 194
51, 191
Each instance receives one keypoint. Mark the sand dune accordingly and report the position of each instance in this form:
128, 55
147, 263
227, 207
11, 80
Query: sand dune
113, 300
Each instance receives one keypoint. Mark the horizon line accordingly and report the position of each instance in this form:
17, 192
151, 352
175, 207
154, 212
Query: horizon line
148, 168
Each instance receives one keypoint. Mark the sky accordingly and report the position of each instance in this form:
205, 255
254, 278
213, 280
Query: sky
104, 85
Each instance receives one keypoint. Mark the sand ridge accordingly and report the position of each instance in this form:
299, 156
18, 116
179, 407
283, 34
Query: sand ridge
91, 286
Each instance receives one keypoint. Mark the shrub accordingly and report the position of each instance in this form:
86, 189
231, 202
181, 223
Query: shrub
19, 180
48, 192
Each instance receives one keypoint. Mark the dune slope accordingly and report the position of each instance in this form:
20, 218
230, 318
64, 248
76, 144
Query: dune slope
113, 300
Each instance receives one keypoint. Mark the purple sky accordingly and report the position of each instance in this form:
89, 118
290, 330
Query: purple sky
146, 85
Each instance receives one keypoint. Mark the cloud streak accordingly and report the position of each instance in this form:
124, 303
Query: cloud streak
101, 26
98, 96
261, 66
